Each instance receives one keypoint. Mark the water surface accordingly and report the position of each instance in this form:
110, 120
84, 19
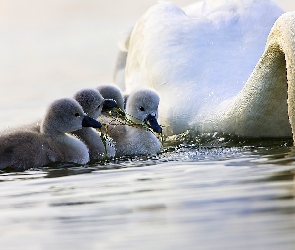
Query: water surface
195, 197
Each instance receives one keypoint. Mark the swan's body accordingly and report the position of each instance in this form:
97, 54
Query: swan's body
201, 60
136, 140
26, 149
92, 103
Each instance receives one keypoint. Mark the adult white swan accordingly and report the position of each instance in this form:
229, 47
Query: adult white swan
201, 60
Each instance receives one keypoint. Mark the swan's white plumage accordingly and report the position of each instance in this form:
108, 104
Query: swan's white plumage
200, 58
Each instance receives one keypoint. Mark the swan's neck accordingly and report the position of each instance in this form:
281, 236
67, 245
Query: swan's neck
266, 104
282, 38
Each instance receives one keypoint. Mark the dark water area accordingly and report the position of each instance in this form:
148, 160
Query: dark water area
219, 194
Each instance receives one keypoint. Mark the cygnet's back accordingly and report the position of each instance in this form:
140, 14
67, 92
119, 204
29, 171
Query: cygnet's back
141, 108
26, 149
92, 103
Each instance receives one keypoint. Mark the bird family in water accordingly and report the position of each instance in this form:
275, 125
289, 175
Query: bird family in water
202, 57
92, 125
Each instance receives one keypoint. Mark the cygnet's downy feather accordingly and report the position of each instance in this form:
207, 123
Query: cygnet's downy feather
93, 103
22, 150
141, 108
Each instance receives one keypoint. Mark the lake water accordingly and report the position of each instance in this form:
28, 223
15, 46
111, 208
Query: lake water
202, 193
190, 197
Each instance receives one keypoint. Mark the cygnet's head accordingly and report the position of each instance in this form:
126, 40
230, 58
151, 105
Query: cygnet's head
142, 105
91, 101
64, 116
112, 92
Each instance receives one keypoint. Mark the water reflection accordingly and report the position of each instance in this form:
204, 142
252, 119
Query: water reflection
244, 152
213, 197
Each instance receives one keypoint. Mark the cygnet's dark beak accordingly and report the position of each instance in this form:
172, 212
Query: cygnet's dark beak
152, 122
108, 104
90, 122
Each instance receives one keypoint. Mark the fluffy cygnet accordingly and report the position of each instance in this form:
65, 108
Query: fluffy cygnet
26, 149
141, 108
112, 92
115, 117
93, 103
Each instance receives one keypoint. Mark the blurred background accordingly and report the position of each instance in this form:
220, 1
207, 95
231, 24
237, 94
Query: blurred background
52, 48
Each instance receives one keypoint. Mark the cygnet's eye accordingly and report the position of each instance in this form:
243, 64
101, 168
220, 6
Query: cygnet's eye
141, 108
77, 114
98, 106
